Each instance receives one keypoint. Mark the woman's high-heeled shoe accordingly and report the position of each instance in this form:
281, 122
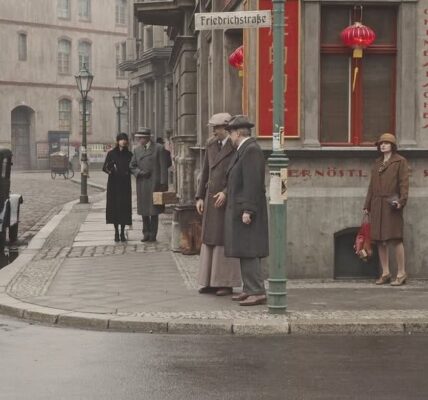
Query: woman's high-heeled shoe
399, 280
116, 237
122, 237
384, 279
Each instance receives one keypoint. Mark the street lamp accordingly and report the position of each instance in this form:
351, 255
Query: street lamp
278, 163
119, 100
84, 81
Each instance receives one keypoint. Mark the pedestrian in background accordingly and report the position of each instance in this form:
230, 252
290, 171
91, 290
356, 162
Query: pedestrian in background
246, 229
149, 166
217, 274
119, 193
386, 197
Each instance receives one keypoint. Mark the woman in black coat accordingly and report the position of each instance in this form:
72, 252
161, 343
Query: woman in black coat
119, 193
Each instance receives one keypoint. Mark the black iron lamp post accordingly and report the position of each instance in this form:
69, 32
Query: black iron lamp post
119, 101
84, 82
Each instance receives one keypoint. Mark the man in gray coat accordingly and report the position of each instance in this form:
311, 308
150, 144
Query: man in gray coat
150, 168
217, 273
246, 230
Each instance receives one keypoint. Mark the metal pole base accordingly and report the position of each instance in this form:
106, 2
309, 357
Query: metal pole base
84, 200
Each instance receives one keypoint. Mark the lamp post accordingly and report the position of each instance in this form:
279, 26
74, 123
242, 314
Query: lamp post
278, 163
84, 81
118, 100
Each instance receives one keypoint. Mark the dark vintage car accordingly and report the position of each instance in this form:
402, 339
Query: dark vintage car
9, 203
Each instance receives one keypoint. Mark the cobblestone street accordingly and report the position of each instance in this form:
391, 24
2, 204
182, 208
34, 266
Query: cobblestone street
43, 197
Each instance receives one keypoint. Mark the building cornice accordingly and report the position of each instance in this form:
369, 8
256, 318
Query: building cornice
63, 28
56, 86
152, 55
162, 12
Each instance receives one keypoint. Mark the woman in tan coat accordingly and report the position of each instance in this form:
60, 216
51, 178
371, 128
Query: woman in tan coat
386, 198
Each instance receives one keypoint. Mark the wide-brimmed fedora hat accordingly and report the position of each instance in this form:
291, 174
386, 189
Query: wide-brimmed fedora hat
143, 132
220, 119
386, 137
239, 121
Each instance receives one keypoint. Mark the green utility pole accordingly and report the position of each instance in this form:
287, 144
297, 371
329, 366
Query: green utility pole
278, 162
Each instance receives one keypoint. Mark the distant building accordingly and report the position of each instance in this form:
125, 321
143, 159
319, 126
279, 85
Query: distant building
44, 44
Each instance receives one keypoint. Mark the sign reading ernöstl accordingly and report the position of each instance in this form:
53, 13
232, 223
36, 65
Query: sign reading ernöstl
228, 20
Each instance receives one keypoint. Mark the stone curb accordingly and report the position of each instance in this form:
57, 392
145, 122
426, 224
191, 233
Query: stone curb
280, 327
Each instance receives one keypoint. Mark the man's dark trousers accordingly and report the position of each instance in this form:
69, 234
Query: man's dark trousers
150, 227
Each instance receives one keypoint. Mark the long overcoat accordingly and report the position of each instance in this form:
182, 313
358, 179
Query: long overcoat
119, 193
150, 168
213, 180
390, 179
246, 192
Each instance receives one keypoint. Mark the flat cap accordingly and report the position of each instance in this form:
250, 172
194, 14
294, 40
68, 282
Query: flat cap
143, 132
386, 137
239, 121
220, 119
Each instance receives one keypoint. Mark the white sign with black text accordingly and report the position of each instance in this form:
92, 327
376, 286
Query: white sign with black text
238, 19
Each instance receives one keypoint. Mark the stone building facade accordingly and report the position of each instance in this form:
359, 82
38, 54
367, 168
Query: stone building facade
333, 114
44, 44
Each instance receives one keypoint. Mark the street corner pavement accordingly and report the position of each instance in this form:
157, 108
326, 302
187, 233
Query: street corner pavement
73, 274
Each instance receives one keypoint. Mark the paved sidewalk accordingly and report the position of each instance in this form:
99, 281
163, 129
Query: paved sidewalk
74, 274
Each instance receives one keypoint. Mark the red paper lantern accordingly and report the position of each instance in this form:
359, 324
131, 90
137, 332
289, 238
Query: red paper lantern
358, 37
236, 59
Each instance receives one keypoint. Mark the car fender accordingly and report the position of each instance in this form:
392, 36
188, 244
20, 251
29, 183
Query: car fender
15, 200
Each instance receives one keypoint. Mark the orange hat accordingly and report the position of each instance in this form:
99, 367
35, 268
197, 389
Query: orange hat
386, 137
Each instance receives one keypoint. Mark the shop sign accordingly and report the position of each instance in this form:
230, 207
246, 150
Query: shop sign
291, 72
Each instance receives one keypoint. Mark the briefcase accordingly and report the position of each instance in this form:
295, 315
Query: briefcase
162, 198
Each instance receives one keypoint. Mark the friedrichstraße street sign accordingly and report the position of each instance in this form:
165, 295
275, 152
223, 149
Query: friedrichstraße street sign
228, 20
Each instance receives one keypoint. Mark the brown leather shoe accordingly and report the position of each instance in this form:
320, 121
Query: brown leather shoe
253, 300
384, 279
240, 296
399, 280
224, 291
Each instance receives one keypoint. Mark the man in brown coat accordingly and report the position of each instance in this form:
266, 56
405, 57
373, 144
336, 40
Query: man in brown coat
386, 198
217, 274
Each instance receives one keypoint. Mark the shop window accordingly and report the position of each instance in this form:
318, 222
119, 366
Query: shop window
121, 12
64, 117
64, 49
22, 46
356, 107
63, 9
84, 51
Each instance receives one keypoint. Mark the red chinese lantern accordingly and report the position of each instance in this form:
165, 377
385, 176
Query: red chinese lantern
236, 59
358, 37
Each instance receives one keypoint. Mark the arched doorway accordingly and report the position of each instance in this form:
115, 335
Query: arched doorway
21, 125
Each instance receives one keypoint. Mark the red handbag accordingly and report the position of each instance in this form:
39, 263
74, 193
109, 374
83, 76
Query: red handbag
363, 245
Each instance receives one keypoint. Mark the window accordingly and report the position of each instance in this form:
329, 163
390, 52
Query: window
64, 49
88, 115
85, 9
120, 56
64, 114
22, 46
121, 12
84, 55
357, 104
63, 9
